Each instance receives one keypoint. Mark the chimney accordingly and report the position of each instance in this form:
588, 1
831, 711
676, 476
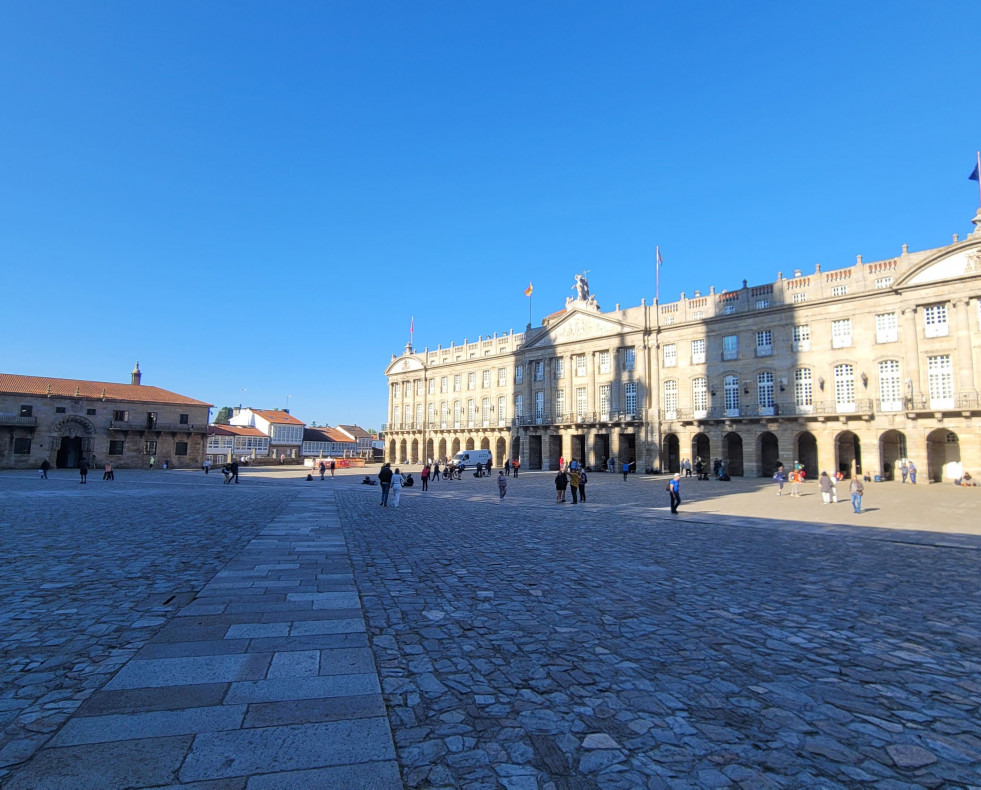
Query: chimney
136, 375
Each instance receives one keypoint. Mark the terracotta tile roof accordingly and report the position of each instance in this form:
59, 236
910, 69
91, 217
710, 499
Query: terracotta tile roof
325, 435
356, 431
278, 417
233, 430
76, 388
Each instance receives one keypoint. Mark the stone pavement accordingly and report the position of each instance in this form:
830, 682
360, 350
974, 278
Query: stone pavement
751, 641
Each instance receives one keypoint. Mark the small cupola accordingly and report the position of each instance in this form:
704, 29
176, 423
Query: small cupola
137, 375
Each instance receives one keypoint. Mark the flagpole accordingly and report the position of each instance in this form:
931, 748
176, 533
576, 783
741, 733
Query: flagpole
657, 274
979, 178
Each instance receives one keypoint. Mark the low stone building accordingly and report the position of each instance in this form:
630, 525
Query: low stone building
66, 420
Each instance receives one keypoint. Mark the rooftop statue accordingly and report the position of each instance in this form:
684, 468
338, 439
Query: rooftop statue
583, 298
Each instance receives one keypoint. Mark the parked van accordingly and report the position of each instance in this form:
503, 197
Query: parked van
472, 457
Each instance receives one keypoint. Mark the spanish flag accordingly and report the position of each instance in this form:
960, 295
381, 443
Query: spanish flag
528, 290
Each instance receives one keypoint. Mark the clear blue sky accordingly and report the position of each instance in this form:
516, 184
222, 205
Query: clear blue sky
260, 195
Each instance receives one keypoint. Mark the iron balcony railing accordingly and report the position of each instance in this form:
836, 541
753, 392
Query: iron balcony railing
15, 420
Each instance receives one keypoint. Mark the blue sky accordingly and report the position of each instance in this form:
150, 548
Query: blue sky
258, 196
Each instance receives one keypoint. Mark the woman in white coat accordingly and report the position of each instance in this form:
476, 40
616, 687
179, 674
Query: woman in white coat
397, 483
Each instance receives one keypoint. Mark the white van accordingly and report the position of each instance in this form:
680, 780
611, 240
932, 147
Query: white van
471, 458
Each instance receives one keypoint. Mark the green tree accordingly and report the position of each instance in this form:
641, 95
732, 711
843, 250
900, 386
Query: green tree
224, 415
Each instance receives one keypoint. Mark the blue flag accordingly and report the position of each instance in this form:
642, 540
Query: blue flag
975, 175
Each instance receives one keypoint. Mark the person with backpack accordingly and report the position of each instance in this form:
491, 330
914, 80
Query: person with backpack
582, 485
385, 480
424, 476
561, 482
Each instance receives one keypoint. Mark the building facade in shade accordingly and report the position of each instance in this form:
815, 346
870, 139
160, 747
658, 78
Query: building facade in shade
65, 421
846, 370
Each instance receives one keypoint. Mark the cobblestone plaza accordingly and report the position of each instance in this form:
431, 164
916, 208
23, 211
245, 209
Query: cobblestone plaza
166, 630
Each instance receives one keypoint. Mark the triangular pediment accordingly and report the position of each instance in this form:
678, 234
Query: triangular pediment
579, 325
403, 364
965, 262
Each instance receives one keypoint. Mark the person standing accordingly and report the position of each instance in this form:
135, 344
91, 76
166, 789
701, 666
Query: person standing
152, 462
83, 471
582, 485
424, 476
795, 482
207, 465
903, 469
779, 477
108, 474
489, 467
45, 466
233, 469
323, 470
507, 467
385, 481
561, 463
626, 470
856, 488
436, 470
574, 484
333, 466
826, 487
502, 485
674, 490
397, 482
912, 473
561, 481
517, 465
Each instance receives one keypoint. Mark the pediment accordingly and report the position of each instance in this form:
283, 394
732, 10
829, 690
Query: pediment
963, 263
403, 364
578, 325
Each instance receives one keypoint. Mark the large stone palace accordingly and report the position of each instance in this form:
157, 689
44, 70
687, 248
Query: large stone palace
851, 369
65, 421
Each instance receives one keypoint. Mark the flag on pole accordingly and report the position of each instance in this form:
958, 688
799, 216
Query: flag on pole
975, 174
528, 290
412, 324
659, 259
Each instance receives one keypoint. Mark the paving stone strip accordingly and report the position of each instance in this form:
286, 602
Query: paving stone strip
262, 679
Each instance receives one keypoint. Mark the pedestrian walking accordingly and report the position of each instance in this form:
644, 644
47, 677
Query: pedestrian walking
502, 484
780, 478
795, 483
323, 469
436, 471
517, 465
424, 476
674, 490
333, 466
108, 474
574, 485
507, 467
904, 469
856, 488
397, 482
561, 482
826, 487
234, 470
385, 481
626, 470
45, 466
912, 473
83, 470
582, 485
152, 462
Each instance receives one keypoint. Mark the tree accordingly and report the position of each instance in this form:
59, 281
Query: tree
224, 415
314, 424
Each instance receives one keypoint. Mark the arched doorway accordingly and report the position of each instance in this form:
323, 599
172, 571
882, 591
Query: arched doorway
501, 451
516, 448
470, 443
391, 452
670, 453
701, 448
76, 441
485, 443
943, 447
442, 450
848, 454
768, 451
403, 451
455, 447
806, 455
415, 451
732, 454
892, 447
429, 450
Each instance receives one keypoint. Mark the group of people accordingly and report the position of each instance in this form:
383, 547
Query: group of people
827, 483
908, 470
573, 478
323, 467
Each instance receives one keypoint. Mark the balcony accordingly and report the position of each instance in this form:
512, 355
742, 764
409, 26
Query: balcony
162, 427
16, 421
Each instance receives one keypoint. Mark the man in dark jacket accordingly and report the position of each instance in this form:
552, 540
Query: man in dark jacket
385, 479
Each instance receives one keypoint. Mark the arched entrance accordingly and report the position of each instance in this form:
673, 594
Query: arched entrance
501, 451
415, 451
76, 441
429, 450
455, 447
806, 455
485, 443
943, 447
892, 447
768, 451
516, 448
670, 453
403, 451
732, 454
391, 452
442, 450
848, 454
701, 448
470, 443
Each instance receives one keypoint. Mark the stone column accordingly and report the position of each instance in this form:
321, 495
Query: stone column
911, 351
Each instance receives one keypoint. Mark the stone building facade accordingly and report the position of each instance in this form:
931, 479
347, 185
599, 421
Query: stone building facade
851, 369
66, 420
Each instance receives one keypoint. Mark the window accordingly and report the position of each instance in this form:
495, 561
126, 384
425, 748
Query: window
180, 448
116, 445
629, 358
604, 361
457, 382
699, 396
90, 412
762, 304
940, 380
418, 415
539, 370
397, 416
802, 337
472, 381
183, 419
764, 390
502, 377
418, 386
539, 406
471, 411
60, 410
22, 445
799, 298
883, 282
444, 413
730, 347
559, 367
764, 343
580, 402
670, 355
731, 393
671, 400
936, 320
487, 379
580, 362
519, 374
457, 414
802, 390
560, 402
890, 386
698, 352
839, 290
886, 328
605, 401
844, 388
26, 411
518, 405
630, 398
406, 389
501, 410
431, 386
841, 333
485, 408
729, 309
149, 448
697, 315
431, 413
443, 384
669, 320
